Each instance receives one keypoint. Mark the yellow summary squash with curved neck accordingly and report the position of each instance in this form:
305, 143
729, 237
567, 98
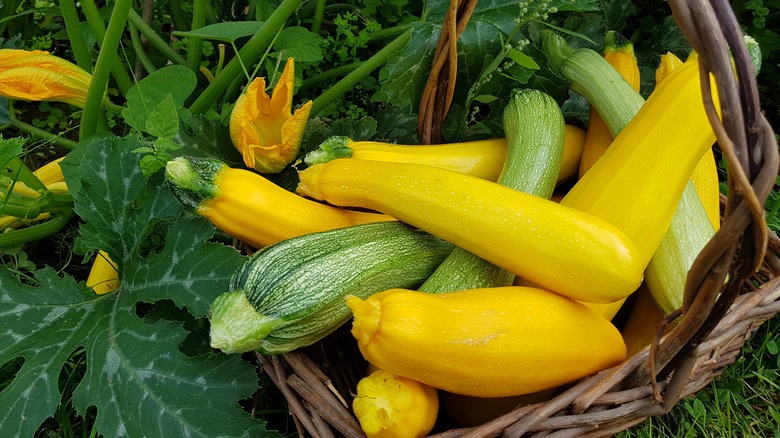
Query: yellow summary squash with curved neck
490, 342
556, 247
251, 208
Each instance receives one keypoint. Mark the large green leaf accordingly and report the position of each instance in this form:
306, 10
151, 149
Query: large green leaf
114, 196
228, 32
204, 137
404, 76
136, 376
142, 99
299, 43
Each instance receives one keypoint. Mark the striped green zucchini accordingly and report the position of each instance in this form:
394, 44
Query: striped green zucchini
291, 294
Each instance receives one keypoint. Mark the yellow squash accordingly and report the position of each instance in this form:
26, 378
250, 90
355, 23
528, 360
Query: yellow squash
705, 175
643, 322
491, 342
389, 406
638, 182
251, 208
483, 158
705, 180
559, 248
50, 172
103, 276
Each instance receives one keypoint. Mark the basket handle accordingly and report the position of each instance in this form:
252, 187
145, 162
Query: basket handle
749, 146
439, 88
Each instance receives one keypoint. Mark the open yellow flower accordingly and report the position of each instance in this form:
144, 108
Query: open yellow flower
264, 129
37, 75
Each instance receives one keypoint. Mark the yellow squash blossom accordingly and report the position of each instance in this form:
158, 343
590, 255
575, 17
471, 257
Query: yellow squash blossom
36, 75
264, 129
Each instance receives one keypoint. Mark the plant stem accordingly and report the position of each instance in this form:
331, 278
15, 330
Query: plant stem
319, 12
73, 28
21, 211
107, 104
98, 28
24, 174
174, 7
155, 39
329, 74
46, 135
138, 47
196, 44
363, 70
36, 232
390, 32
248, 54
106, 59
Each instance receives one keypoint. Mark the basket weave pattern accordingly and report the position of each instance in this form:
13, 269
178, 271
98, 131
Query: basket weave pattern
732, 288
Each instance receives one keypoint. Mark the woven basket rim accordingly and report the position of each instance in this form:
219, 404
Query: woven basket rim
696, 351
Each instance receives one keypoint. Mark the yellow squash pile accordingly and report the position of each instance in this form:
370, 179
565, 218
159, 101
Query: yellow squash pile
574, 261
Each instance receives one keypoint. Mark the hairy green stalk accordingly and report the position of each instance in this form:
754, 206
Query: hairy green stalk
196, 44
43, 134
361, 71
36, 232
139, 50
327, 75
175, 9
390, 32
76, 38
249, 54
98, 28
155, 39
106, 60
319, 12
23, 173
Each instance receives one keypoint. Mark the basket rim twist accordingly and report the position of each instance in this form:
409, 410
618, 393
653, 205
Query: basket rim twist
732, 288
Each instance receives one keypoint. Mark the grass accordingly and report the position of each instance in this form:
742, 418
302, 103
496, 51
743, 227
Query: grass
743, 402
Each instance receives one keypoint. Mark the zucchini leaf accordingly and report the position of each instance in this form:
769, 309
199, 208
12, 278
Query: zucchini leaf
482, 59
136, 375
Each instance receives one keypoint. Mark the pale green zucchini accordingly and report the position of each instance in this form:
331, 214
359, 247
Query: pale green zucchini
534, 129
291, 294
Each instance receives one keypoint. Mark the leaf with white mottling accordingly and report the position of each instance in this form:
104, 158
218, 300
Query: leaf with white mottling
136, 376
143, 386
403, 78
186, 270
118, 207
43, 325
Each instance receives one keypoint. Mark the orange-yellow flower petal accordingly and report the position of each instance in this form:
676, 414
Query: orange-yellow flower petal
31, 83
264, 129
10, 58
7, 55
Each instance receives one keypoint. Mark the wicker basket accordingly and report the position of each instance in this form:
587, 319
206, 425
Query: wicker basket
717, 318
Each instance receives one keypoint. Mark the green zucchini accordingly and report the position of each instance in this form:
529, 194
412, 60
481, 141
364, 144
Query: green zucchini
291, 294
534, 129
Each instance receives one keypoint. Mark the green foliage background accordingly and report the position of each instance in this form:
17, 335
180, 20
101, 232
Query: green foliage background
136, 363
